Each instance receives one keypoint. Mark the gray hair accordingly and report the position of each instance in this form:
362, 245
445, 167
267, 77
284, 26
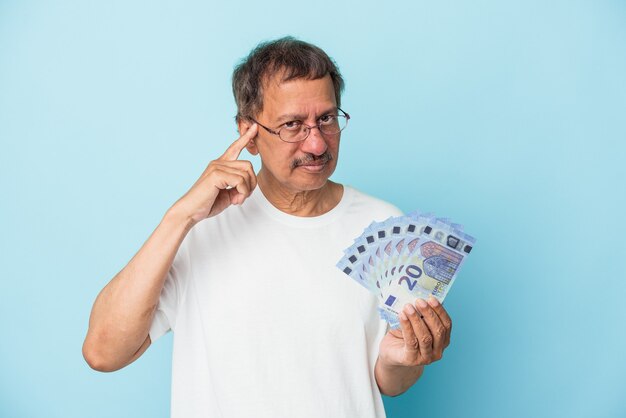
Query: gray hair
287, 56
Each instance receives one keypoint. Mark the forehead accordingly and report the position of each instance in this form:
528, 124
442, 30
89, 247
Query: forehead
298, 96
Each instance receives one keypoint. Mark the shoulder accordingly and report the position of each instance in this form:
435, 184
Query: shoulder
373, 207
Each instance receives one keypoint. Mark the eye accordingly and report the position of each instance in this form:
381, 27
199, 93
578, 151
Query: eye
293, 125
327, 119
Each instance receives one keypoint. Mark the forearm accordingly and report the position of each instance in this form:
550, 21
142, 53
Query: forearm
123, 311
394, 380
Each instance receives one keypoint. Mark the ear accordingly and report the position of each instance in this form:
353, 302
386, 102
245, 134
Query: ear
243, 127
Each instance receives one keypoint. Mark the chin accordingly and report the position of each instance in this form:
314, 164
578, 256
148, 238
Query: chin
314, 180
306, 186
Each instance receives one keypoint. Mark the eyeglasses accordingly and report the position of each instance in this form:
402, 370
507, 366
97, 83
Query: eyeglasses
296, 131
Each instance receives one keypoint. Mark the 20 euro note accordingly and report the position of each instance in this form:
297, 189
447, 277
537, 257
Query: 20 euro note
428, 270
406, 257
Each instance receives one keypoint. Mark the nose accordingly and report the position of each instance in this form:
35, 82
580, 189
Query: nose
315, 143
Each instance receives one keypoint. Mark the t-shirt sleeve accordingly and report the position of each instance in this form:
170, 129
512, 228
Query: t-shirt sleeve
167, 309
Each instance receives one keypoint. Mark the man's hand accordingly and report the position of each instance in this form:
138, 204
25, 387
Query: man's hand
226, 181
423, 336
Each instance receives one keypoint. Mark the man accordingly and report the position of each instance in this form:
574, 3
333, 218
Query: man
242, 269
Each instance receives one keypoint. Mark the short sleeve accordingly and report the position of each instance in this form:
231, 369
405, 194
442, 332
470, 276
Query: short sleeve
169, 301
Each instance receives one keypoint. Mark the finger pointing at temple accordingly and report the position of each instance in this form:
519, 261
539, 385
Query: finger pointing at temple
232, 153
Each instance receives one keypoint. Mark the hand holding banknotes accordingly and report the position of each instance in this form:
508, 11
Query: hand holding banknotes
226, 181
409, 263
423, 335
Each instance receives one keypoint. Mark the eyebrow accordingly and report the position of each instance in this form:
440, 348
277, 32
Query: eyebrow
292, 116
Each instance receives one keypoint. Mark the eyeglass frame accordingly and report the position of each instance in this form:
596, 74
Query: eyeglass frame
277, 133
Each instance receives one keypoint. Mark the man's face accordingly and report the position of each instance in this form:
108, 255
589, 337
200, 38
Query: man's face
305, 165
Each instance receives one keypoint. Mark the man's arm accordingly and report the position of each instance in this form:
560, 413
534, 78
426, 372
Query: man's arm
424, 333
123, 311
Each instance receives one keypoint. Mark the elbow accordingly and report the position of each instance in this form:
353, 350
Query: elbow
96, 360
393, 394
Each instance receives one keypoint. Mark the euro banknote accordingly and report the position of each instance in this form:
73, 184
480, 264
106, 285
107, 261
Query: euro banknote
407, 257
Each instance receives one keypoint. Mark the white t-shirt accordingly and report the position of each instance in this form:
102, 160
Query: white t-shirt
265, 325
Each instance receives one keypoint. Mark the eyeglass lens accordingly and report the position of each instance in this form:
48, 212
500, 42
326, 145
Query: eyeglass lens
330, 125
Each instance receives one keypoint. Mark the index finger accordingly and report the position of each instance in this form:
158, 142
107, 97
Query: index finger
232, 153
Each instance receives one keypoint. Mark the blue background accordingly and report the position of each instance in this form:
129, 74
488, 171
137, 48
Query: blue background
508, 117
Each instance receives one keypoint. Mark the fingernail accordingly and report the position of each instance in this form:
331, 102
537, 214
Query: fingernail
421, 303
409, 309
432, 301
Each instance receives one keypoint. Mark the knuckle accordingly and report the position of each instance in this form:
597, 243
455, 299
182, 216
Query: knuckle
427, 340
211, 171
212, 165
440, 332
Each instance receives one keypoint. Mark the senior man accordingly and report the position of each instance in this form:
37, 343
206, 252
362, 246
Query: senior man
242, 268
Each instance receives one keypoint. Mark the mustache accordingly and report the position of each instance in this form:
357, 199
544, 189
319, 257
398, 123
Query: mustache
311, 158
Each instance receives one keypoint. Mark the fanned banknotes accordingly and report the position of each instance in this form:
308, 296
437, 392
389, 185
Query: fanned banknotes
405, 258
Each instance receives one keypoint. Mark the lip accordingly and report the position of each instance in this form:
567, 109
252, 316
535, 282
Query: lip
314, 167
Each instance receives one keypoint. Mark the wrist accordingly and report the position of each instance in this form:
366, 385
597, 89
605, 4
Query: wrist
392, 365
177, 217
395, 379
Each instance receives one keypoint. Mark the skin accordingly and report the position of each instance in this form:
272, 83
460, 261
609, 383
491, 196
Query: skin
424, 334
304, 190
294, 177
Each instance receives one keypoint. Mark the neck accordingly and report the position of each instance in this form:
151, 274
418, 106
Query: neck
305, 203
